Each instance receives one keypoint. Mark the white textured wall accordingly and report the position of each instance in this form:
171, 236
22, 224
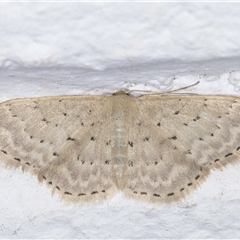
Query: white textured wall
82, 48
96, 34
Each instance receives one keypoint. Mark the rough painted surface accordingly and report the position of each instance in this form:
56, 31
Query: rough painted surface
96, 35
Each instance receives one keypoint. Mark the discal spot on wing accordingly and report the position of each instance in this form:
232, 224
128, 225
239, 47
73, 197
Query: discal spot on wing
155, 148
